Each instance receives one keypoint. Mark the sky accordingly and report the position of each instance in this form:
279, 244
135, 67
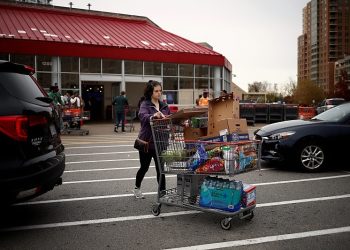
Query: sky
258, 37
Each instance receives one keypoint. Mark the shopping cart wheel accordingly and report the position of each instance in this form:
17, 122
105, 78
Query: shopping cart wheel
156, 209
226, 223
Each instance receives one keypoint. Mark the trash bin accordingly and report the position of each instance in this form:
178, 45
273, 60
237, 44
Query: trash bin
261, 112
275, 113
291, 112
247, 111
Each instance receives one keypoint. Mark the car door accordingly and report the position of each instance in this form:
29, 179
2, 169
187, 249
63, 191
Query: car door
338, 140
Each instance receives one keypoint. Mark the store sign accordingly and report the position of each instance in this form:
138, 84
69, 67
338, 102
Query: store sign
46, 63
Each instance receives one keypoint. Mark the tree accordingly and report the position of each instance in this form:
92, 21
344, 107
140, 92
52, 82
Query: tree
288, 91
307, 92
341, 88
257, 87
289, 88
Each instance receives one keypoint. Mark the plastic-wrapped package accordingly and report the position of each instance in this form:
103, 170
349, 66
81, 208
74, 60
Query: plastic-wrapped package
198, 158
214, 165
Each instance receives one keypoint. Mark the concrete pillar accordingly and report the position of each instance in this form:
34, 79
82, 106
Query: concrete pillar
122, 84
54, 70
217, 82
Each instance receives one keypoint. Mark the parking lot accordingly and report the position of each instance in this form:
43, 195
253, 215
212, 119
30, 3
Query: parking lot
95, 208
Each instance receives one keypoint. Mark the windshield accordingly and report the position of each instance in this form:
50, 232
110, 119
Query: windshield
22, 86
335, 114
335, 101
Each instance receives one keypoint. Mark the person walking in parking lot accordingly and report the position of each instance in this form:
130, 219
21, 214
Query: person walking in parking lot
120, 103
151, 108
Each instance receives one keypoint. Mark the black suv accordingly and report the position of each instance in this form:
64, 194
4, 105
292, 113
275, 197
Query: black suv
32, 157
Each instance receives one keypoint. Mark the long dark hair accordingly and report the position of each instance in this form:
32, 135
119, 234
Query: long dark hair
149, 89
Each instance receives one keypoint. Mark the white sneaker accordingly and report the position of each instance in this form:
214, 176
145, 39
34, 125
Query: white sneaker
138, 194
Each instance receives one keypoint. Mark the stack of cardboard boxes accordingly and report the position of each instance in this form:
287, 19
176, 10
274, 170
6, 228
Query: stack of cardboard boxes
219, 122
223, 122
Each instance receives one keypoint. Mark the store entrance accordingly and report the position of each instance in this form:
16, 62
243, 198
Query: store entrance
97, 96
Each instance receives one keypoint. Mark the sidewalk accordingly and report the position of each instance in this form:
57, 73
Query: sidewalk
104, 128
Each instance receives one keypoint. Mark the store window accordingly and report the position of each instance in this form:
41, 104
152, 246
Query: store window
201, 83
46, 79
69, 64
46, 63
227, 87
90, 65
23, 59
170, 69
110, 66
69, 81
171, 97
202, 70
186, 97
186, 83
4, 57
186, 70
170, 83
152, 68
133, 67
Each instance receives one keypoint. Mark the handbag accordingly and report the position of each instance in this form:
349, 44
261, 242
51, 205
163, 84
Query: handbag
141, 145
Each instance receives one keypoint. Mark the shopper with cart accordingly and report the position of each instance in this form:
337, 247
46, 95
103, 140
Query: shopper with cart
151, 108
120, 103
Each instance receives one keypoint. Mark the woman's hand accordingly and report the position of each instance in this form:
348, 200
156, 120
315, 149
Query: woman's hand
159, 115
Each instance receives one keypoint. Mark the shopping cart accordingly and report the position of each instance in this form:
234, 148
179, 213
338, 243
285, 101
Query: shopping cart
198, 164
73, 120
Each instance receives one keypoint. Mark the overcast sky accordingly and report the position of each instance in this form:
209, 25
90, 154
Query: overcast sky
258, 37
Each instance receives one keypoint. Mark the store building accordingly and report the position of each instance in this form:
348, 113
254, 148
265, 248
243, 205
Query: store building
100, 54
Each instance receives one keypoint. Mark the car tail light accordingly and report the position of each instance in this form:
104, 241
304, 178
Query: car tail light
29, 69
16, 127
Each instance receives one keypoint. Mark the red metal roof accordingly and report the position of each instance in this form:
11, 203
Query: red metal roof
63, 32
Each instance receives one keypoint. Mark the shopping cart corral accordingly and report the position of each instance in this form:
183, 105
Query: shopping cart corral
73, 120
198, 166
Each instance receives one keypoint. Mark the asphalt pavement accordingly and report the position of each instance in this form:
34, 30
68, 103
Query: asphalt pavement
94, 208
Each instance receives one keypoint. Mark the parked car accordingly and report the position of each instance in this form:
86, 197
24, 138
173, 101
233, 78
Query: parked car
310, 144
328, 104
32, 158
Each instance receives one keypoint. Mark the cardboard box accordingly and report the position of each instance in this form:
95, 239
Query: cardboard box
225, 107
185, 114
189, 185
238, 126
249, 195
194, 133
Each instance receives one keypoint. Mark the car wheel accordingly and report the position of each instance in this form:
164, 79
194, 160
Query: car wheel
311, 157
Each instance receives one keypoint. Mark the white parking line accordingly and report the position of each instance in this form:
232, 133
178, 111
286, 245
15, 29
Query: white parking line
92, 197
101, 169
83, 162
105, 153
105, 146
303, 180
117, 179
256, 184
273, 238
80, 199
93, 142
124, 168
142, 217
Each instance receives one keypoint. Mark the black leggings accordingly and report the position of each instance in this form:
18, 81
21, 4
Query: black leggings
145, 161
